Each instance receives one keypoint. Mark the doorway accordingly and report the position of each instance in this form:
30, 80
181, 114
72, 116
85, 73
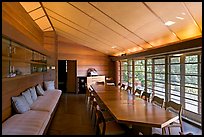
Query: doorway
67, 76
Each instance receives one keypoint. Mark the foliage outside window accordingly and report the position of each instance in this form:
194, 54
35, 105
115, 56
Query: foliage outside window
139, 82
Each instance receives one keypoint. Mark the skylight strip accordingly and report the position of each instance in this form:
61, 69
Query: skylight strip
34, 9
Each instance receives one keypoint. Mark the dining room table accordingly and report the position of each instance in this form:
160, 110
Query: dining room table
133, 110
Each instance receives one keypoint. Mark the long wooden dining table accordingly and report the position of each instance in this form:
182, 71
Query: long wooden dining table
132, 110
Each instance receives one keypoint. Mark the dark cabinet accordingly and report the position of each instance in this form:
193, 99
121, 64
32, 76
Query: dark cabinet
81, 85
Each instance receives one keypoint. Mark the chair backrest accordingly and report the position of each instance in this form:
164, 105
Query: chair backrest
122, 86
174, 107
145, 95
100, 120
138, 91
129, 89
158, 101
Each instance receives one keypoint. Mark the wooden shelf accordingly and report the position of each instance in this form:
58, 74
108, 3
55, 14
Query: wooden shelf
20, 60
21, 76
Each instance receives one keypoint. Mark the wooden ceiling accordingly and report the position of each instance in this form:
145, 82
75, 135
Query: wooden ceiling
115, 28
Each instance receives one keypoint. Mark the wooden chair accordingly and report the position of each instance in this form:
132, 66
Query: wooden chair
146, 96
158, 101
129, 89
175, 108
106, 114
89, 92
107, 128
122, 86
137, 92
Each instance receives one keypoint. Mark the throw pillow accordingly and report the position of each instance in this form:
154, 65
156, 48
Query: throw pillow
49, 85
28, 97
20, 104
33, 94
39, 90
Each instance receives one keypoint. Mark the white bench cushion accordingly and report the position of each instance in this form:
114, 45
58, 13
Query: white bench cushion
47, 102
29, 123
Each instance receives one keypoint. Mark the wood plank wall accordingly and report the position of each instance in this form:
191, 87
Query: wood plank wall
86, 58
50, 44
15, 86
19, 26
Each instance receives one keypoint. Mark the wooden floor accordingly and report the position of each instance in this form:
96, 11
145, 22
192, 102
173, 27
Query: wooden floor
73, 118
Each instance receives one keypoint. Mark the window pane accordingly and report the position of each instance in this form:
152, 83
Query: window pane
159, 61
177, 101
192, 58
175, 69
175, 97
191, 68
174, 87
129, 68
190, 96
175, 79
175, 60
139, 68
149, 84
140, 74
149, 61
191, 106
175, 92
191, 80
139, 62
160, 77
149, 76
149, 69
191, 90
159, 68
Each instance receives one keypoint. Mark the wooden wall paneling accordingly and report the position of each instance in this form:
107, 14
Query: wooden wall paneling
19, 26
86, 58
50, 44
14, 87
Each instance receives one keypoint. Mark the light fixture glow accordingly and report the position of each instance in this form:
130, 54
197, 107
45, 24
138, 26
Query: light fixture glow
113, 47
169, 23
177, 54
179, 18
183, 13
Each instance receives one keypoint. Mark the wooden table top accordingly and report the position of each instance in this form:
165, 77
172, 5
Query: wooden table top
127, 108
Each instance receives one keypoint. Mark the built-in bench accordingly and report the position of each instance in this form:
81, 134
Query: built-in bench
37, 119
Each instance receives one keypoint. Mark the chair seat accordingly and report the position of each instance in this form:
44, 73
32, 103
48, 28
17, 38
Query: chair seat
174, 124
112, 128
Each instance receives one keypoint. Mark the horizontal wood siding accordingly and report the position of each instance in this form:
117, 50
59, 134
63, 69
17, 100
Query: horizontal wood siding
15, 86
19, 26
86, 58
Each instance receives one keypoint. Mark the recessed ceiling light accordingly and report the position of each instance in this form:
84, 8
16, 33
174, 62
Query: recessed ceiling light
169, 23
113, 47
179, 18
183, 13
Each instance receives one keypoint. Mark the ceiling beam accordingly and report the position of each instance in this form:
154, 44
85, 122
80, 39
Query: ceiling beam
47, 16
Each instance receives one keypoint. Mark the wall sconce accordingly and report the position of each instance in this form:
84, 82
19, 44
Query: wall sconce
52, 67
